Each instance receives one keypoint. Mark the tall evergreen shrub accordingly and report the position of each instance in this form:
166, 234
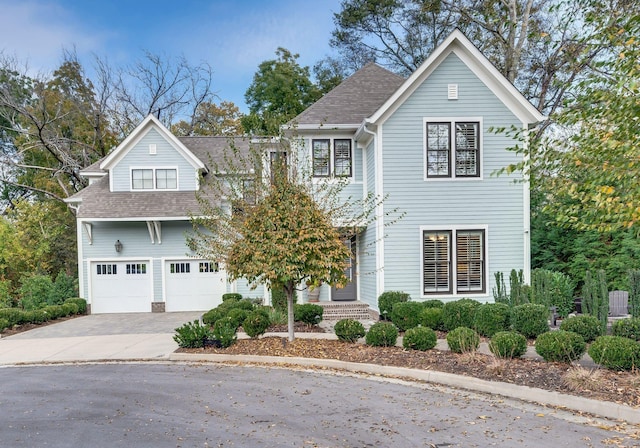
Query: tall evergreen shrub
595, 297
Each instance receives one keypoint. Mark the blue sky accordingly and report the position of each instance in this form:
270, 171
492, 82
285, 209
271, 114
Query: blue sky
234, 37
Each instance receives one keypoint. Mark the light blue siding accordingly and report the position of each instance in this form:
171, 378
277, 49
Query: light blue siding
495, 202
166, 156
367, 242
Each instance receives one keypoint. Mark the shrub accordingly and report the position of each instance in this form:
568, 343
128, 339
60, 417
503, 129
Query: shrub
419, 338
508, 344
433, 303
552, 288
54, 311
387, 299
382, 334
225, 331
256, 323
5, 297
36, 316
212, 316
192, 335
308, 313
244, 304
530, 319
4, 324
231, 296
595, 297
238, 315
615, 352
492, 318
560, 346
35, 291
586, 326
432, 318
15, 316
627, 328
405, 315
277, 317
81, 303
69, 309
63, 288
463, 340
459, 313
349, 330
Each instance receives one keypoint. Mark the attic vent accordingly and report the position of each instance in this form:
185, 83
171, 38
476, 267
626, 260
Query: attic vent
152, 148
452, 91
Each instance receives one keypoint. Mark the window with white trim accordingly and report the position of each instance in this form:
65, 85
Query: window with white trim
106, 269
339, 150
452, 154
453, 261
179, 268
136, 268
154, 179
208, 266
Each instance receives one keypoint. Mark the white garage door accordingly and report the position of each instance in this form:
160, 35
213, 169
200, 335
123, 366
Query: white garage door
121, 287
193, 285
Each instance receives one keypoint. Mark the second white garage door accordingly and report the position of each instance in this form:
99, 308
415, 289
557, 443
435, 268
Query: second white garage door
193, 285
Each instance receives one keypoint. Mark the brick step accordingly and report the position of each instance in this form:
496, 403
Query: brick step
345, 310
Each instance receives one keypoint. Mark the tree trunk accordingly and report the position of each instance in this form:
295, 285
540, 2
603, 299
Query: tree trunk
289, 291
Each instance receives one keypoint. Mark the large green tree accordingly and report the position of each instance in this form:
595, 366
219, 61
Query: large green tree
211, 119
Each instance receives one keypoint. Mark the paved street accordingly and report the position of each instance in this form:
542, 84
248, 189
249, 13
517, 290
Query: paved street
179, 405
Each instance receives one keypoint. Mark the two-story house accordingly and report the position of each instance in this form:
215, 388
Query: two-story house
425, 143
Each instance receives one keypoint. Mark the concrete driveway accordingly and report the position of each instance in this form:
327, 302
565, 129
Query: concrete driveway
97, 337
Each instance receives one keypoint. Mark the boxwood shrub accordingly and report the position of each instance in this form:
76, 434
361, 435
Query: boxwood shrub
231, 296
382, 334
15, 316
492, 318
387, 299
36, 316
530, 319
256, 323
405, 315
4, 324
560, 346
432, 318
238, 315
460, 313
432, 303
309, 313
192, 335
463, 340
615, 352
81, 303
419, 338
627, 328
349, 330
589, 327
508, 344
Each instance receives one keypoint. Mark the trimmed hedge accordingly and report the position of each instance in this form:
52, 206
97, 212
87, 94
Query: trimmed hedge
432, 303
508, 344
406, 315
460, 313
589, 327
382, 334
492, 318
4, 324
615, 352
560, 346
627, 328
192, 335
349, 330
256, 323
387, 299
231, 296
463, 340
432, 318
15, 316
81, 303
419, 338
530, 319
308, 313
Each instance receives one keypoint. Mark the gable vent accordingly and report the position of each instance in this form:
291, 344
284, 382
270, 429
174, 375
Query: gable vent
452, 91
152, 148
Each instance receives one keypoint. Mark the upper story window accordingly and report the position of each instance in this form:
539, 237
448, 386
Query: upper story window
452, 149
322, 152
154, 179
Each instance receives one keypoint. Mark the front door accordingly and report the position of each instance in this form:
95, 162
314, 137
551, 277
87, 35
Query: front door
350, 291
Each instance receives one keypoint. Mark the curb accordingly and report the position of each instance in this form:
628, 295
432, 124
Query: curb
601, 408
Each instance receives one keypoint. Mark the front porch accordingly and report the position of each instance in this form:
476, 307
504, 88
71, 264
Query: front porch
335, 311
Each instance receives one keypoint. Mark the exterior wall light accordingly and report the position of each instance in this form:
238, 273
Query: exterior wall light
118, 246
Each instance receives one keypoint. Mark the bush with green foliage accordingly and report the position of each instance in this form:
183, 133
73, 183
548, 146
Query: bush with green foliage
213, 315
419, 338
432, 318
492, 318
634, 292
463, 340
560, 346
518, 291
387, 299
585, 325
279, 298
54, 311
405, 315
349, 330
35, 291
615, 352
4, 324
238, 315
530, 319
81, 303
64, 287
595, 297
432, 303
226, 331
15, 316
192, 335
552, 288
231, 296
382, 334
36, 316
6, 301
308, 313
460, 313
276, 317
69, 309
256, 323
508, 344
627, 328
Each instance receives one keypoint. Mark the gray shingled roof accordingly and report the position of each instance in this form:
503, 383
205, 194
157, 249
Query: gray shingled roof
353, 100
100, 203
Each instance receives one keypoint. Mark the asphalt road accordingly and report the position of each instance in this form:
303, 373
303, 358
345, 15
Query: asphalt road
183, 405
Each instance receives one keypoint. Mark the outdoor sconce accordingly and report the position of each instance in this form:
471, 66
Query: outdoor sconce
118, 246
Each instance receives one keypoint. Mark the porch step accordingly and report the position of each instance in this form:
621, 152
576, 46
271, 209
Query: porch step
345, 310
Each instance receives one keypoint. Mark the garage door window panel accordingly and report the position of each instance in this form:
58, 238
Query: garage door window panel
136, 268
